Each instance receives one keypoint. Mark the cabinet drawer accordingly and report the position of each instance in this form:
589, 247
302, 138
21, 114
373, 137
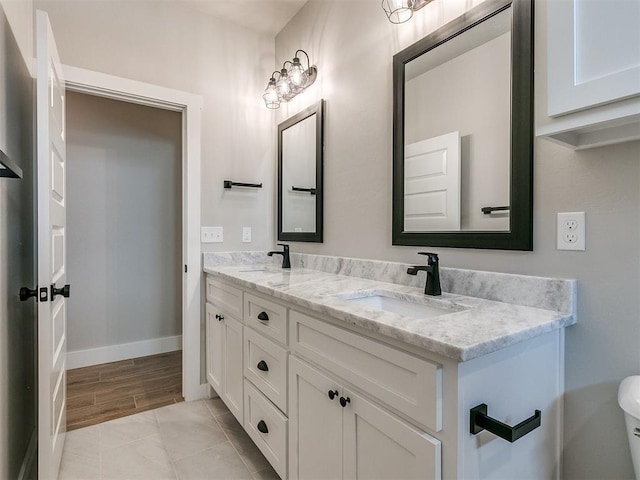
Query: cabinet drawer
265, 364
224, 296
260, 414
266, 317
409, 384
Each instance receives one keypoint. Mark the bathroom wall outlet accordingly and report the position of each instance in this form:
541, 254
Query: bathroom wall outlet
211, 235
571, 231
246, 234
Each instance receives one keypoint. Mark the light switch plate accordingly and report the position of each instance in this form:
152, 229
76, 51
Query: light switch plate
571, 231
211, 235
246, 234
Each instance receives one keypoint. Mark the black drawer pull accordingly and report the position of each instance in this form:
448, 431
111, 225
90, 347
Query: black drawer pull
481, 421
262, 427
262, 365
333, 394
219, 317
344, 401
262, 316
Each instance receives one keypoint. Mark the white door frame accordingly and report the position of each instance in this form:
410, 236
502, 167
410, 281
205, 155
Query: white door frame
190, 105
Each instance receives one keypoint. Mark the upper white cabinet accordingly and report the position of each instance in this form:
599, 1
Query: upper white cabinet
592, 72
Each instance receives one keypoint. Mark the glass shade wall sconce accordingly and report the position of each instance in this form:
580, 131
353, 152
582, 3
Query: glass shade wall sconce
399, 11
286, 84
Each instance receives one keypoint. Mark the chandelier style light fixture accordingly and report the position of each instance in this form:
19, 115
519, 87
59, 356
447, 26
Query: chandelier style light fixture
289, 83
399, 11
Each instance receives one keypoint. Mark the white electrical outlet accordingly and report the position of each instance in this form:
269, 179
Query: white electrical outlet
246, 234
211, 235
571, 231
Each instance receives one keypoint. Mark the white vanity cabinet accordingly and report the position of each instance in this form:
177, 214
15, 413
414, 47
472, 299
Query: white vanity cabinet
592, 72
224, 358
337, 433
325, 399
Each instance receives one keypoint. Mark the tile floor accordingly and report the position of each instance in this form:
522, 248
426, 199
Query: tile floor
185, 441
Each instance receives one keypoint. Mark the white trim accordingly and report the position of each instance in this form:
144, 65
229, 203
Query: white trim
122, 351
110, 86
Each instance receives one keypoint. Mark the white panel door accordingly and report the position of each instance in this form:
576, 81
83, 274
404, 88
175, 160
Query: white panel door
593, 50
52, 236
214, 341
432, 184
379, 445
315, 424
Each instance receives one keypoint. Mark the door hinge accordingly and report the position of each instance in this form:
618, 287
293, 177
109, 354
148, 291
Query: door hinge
185, 269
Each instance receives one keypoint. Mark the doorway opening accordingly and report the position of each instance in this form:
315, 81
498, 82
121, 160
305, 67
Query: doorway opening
189, 106
124, 254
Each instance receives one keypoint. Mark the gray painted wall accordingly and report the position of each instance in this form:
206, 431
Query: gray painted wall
124, 222
17, 319
354, 76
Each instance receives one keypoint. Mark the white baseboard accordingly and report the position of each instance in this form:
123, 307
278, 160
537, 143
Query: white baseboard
123, 351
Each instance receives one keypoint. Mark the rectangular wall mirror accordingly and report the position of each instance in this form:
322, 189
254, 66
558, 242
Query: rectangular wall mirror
300, 157
463, 132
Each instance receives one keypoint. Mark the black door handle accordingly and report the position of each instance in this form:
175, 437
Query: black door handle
262, 427
26, 293
262, 365
262, 316
219, 317
344, 401
64, 291
333, 394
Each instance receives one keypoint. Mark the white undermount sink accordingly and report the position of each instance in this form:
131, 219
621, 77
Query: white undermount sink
400, 306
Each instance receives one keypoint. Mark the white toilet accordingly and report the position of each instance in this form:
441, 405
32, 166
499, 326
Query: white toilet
629, 400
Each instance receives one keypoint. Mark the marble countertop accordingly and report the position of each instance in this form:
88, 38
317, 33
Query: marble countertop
470, 328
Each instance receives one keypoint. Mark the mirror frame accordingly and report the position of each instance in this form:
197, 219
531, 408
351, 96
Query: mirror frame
520, 234
318, 110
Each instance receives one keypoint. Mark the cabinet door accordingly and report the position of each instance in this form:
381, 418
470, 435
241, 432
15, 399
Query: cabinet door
379, 445
214, 349
315, 424
593, 53
232, 385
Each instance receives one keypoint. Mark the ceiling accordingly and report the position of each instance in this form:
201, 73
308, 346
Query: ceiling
266, 16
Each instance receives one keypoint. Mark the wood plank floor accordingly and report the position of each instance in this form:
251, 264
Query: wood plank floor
103, 392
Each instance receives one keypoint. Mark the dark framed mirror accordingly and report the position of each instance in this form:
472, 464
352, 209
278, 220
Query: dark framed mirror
300, 192
463, 132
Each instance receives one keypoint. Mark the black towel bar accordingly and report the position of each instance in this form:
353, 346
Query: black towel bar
481, 421
488, 210
229, 184
312, 191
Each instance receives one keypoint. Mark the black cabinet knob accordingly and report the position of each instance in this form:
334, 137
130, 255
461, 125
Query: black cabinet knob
27, 293
262, 365
64, 291
333, 394
262, 427
219, 317
344, 401
262, 316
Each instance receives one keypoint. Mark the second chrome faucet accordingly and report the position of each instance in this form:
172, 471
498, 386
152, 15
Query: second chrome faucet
432, 287
286, 261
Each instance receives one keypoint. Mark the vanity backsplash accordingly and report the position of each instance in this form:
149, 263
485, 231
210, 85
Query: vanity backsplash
540, 292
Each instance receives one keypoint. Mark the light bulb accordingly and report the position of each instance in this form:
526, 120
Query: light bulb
270, 96
283, 83
296, 73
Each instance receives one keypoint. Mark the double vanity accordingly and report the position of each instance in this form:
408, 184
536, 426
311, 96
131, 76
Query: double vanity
344, 368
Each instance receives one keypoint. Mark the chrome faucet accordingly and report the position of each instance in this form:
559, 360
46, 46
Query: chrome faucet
432, 286
286, 262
